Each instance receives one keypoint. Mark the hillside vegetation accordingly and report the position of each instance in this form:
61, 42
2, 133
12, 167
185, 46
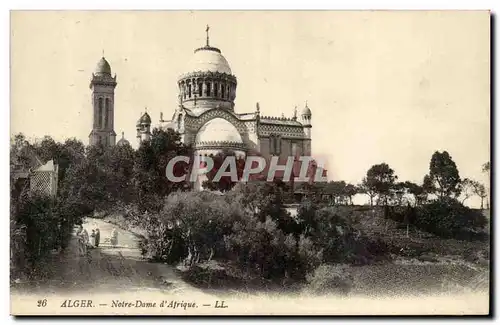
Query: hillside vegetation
246, 237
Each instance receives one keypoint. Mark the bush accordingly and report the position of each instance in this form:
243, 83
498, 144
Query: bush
191, 226
328, 279
39, 225
42, 226
210, 274
197, 227
449, 218
262, 248
333, 234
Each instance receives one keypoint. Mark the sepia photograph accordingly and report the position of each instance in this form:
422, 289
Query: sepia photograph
254, 163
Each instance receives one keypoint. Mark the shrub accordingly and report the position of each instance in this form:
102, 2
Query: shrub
262, 248
39, 225
447, 217
42, 226
191, 226
333, 234
328, 279
210, 274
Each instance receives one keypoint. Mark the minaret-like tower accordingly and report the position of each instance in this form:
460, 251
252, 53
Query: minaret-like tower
103, 101
306, 123
143, 127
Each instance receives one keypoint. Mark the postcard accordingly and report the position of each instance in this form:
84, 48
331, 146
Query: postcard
250, 163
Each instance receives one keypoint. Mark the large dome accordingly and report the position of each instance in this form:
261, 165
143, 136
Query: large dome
208, 59
218, 130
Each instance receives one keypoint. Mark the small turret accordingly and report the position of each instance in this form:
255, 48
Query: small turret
306, 120
123, 141
143, 127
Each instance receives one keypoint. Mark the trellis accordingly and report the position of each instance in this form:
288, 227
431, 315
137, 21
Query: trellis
43, 180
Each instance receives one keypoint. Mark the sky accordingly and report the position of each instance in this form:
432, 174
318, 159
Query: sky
383, 86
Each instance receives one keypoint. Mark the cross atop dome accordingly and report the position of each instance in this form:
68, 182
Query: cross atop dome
208, 37
207, 47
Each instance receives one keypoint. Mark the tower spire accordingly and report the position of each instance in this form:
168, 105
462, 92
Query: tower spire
208, 38
102, 52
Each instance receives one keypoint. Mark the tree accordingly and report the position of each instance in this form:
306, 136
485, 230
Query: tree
428, 185
417, 191
22, 153
337, 189
225, 183
468, 188
86, 188
444, 175
266, 200
364, 189
399, 191
48, 149
350, 191
480, 190
71, 152
119, 168
149, 172
380, 180
486, 169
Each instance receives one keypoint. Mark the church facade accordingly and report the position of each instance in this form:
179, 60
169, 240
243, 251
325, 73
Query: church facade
206, 116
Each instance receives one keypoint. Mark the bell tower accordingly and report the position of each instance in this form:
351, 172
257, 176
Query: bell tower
103, 102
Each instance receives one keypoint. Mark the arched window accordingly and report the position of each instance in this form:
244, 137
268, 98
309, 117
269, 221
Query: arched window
189, 90
222, 92
99, 116
277, 145
200, 89
208, 89
216, 90
106, 112
271, 145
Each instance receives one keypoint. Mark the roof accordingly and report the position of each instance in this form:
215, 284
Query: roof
306, 110
145, 119
48, 167
279, 121
103, 67
208, 59
123, 141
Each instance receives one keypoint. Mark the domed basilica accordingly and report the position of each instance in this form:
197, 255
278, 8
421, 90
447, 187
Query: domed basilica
206, 117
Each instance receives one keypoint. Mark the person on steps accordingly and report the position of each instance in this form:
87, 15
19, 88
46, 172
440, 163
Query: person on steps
114, 237
97, 237
83, 240
92, 239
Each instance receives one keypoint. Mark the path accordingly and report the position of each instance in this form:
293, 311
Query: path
110, 269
